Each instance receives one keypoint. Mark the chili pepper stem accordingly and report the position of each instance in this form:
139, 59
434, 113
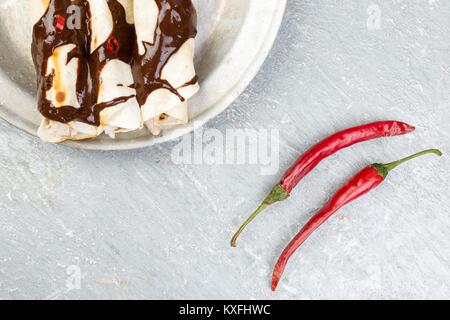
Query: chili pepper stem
261, 208
385, 169
277, 194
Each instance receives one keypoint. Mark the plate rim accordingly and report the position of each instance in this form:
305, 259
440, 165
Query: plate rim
225, 101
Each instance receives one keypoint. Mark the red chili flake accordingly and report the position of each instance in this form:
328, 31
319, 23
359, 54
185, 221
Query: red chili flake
112, 45
60, 22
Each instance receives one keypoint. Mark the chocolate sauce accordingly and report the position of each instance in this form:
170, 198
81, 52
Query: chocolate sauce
177, 21
176, 24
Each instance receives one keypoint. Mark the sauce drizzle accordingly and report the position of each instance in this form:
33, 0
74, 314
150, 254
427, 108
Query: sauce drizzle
176, 24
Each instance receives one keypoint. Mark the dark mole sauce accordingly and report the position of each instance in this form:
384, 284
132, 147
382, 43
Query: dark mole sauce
177, 21
176, 24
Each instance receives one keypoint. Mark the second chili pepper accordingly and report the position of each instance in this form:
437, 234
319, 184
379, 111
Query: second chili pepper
309, 160
366, 180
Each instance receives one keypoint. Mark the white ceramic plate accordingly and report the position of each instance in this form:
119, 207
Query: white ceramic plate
234, 38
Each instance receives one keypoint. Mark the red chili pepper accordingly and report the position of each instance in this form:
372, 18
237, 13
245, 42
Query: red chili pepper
366, 180
309, 160
60, 22
112, 45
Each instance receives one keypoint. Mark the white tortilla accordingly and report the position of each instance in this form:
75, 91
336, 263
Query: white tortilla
164, 109
64, 78
115, 78
56, 132
101, 22
161, 111
146, 21
64, 86
128, 6
38, 8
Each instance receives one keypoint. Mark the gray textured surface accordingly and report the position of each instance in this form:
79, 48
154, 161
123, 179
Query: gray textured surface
139, 226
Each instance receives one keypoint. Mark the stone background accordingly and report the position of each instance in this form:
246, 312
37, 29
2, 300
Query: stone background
135, 225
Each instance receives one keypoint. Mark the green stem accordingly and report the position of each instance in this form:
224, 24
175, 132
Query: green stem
384, 169
277, 194
261, 208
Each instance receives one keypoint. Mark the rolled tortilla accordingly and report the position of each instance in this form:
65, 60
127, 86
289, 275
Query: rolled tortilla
108, 75
115, 79
163, 68
37, 9
63, 93
103, 81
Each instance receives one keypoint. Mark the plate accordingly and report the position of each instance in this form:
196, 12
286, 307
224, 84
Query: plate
234, 39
